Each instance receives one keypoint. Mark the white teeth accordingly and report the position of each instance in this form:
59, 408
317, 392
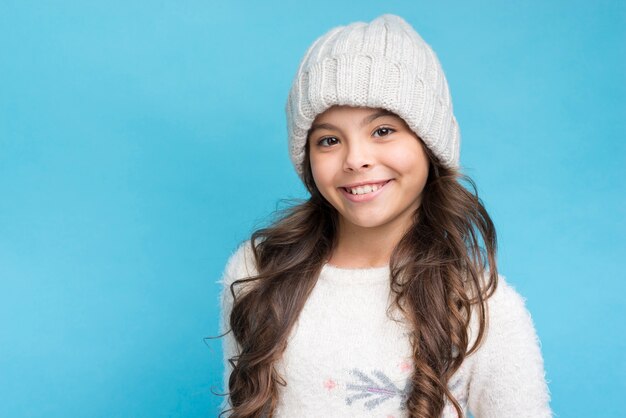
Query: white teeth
365, 189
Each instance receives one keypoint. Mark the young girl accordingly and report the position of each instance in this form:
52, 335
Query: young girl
375, 297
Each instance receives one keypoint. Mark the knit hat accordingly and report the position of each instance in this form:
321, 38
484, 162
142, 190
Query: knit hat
382, 64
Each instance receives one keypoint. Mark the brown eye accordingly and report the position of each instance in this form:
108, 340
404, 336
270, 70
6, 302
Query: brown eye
327, 142
383, 131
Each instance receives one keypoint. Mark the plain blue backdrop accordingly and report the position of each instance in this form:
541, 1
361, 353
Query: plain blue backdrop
141, 141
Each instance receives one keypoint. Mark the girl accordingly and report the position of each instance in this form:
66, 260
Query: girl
374, 297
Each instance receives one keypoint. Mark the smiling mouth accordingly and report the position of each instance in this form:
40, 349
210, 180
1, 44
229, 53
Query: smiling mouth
369, 188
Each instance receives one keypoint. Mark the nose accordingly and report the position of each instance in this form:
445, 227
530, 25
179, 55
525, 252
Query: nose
358, 157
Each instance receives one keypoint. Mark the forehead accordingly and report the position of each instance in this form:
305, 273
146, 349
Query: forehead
339, 113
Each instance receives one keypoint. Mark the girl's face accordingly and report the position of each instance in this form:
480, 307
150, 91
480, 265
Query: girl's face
369, 165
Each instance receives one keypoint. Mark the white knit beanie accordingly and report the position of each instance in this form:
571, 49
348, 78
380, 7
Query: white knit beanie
382, 64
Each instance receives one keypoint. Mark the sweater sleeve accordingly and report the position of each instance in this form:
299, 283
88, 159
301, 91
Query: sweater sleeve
508, 377
240, 265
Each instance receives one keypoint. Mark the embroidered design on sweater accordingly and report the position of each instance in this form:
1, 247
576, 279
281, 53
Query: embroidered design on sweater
383, 389
376, 392
458, 394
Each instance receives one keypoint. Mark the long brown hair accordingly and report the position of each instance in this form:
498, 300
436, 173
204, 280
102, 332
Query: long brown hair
436, 277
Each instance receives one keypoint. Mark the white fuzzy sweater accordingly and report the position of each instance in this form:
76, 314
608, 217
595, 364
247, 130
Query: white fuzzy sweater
347, 358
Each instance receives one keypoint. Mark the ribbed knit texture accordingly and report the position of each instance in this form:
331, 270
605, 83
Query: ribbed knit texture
346, 358
381, 64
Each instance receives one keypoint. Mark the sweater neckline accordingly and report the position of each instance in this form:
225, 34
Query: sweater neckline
348, 276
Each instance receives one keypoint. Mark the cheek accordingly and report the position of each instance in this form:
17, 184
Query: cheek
322, 172
408, 159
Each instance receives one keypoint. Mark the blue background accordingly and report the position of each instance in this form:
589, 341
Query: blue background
140, 141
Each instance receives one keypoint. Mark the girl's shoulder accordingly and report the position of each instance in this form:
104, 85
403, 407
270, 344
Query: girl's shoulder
506, 300
509, 322
240, 264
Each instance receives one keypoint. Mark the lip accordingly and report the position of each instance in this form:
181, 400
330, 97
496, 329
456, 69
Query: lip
367, 196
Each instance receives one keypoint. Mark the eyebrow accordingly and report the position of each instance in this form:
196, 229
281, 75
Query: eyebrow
364, 122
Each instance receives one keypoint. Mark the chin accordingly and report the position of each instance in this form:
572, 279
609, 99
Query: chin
367, 223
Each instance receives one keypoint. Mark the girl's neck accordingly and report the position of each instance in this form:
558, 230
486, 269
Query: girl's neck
359, 247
